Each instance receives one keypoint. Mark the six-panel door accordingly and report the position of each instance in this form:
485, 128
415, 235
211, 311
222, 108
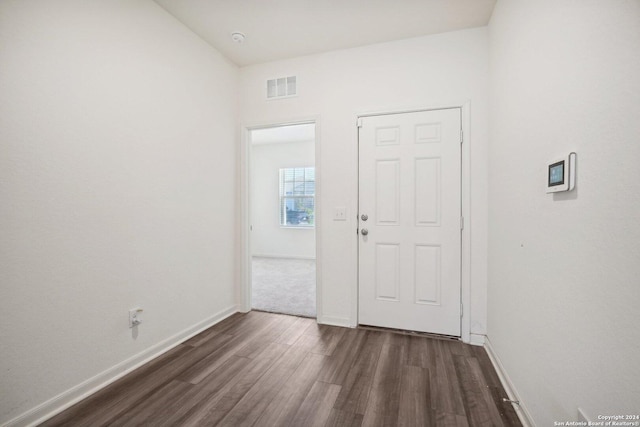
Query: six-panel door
410, 192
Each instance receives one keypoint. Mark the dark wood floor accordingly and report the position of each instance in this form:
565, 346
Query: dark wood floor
274, 370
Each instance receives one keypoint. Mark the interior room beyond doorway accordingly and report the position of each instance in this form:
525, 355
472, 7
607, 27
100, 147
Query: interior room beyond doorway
282, 214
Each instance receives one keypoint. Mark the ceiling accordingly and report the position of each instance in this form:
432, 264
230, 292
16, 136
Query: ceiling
278, 29
279, 134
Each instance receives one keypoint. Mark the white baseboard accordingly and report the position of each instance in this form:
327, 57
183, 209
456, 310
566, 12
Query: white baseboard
477, 339
83, 390
344, 322
521, 409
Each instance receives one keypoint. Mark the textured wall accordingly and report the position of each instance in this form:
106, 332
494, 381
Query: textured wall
564, 269
116, 154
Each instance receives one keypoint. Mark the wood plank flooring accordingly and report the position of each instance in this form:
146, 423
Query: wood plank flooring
267, 369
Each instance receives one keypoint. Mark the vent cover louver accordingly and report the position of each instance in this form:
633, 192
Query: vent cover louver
282, 87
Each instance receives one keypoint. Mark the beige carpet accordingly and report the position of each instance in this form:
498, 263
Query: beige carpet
284, 285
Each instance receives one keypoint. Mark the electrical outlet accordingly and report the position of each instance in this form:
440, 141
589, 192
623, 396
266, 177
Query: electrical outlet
134, 317
340, 214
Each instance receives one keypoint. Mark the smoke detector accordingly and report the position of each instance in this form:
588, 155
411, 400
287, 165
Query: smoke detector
237, 36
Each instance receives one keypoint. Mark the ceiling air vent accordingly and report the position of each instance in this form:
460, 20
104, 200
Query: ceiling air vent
282, 87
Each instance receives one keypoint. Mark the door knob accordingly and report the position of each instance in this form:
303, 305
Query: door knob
364, 217
364, 231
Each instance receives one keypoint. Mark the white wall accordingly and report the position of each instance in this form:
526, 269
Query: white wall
334, 87
564, 282
117, 147
268, 238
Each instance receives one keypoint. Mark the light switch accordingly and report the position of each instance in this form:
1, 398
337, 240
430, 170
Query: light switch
340, 214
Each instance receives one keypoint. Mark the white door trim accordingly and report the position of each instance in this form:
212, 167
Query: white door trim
465, 294
244, 250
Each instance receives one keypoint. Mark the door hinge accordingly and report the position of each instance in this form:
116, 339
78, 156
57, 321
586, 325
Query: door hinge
461, 223
461, 136
461, 309
359, 122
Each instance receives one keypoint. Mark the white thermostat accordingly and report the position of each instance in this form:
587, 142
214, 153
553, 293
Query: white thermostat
561, 174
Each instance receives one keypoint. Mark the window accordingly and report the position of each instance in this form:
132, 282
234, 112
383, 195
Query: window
297, 197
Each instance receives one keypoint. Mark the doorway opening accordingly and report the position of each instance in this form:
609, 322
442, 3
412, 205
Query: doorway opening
282, 218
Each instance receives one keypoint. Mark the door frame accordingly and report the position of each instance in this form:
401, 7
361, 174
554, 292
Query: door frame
244, 250
465, 200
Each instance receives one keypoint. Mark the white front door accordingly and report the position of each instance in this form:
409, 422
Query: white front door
410, 221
